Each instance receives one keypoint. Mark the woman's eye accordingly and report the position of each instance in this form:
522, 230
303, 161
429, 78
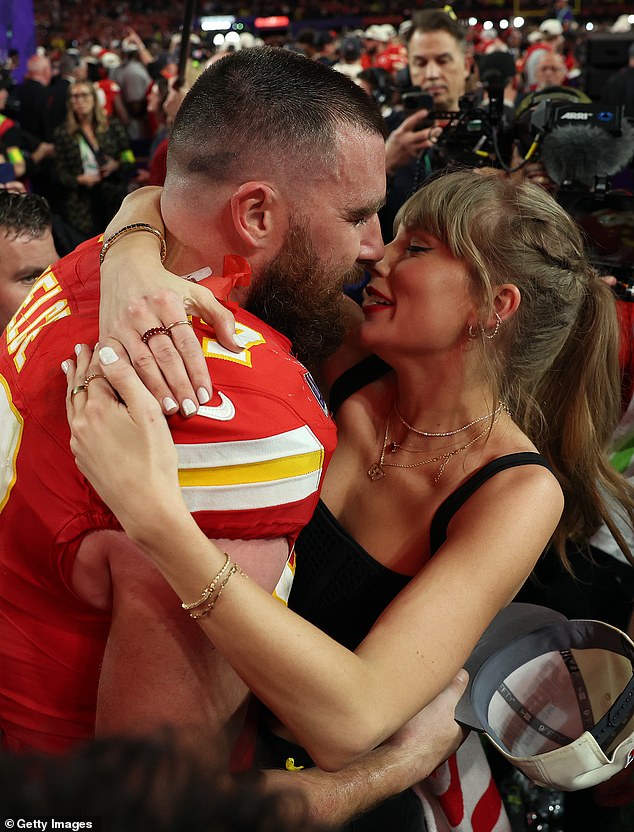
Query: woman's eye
414, 249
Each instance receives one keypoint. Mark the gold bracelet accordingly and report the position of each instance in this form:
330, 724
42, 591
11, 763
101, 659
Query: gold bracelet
129, 229
209, 590
209, 607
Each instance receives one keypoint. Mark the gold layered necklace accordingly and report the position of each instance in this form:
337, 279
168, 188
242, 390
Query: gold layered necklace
377, 470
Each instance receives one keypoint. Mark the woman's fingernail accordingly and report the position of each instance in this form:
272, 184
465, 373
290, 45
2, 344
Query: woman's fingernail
65, 367
189, 408
203, 395
77, 349
107, 355
169, 405
198, 275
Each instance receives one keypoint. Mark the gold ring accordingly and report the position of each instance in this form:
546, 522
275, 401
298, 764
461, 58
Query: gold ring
81, 388
151, 332
169, 328
92, 377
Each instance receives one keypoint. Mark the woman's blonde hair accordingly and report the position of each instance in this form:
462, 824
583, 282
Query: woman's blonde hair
555, 362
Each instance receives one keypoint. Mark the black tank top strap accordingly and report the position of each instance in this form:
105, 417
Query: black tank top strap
447, 509
355, 378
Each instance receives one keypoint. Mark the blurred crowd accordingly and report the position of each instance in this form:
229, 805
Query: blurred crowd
91, 118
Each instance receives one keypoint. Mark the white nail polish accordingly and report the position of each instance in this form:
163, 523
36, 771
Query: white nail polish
65, 367
200, 274
189, 407
203, 395
107, 355
77, 349
169, 405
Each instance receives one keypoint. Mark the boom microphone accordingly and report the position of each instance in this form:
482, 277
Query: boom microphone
582, 153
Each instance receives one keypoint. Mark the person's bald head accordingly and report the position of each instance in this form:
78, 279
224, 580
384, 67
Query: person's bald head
38, 68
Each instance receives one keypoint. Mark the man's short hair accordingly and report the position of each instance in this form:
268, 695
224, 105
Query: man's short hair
435, 20
266, 108
24, 213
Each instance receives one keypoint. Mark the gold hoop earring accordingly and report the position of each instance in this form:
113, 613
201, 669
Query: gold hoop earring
498, 324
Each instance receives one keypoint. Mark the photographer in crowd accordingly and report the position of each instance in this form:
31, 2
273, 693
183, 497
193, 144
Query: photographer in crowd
439, 65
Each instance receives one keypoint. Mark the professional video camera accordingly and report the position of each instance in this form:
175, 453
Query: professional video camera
581, 146
479, 133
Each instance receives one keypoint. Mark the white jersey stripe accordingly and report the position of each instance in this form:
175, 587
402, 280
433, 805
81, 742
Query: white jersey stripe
251, 495
224, 454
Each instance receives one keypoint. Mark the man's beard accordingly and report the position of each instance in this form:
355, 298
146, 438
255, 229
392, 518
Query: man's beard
300, 296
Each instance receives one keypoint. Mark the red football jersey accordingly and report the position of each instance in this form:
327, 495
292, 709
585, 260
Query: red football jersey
251, 464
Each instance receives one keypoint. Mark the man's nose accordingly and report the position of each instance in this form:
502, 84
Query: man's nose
372, 247
431, 70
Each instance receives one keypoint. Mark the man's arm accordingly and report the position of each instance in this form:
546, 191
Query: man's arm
408, 757
158, 667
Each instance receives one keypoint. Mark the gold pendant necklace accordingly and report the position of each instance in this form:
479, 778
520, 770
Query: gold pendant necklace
377, 471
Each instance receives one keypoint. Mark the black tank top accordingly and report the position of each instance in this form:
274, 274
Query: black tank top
338, 586
341, 589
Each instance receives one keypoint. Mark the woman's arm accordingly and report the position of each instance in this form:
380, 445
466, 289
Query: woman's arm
67, 160
137, 294
337, 703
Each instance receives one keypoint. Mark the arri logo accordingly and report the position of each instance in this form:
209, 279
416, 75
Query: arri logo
576, 116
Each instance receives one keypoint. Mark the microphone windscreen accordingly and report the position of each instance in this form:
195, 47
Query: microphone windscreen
580, 153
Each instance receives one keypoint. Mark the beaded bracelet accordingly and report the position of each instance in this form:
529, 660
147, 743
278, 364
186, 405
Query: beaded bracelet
129, 229
196, 614
209, 590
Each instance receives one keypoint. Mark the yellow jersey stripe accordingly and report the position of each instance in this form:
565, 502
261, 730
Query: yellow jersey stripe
266, 471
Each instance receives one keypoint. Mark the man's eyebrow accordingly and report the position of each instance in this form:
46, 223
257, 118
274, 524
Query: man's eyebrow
440, 57
367, 210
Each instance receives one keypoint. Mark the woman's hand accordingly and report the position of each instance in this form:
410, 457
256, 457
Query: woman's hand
89, 180
136, 299
120, 438
109, 166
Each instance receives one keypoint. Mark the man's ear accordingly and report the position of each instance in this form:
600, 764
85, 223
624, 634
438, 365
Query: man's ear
468, 66
257, 213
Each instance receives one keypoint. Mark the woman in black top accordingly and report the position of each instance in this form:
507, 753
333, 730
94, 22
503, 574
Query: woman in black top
477, 442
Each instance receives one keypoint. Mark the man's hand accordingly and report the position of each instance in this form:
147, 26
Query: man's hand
409, 756
432, 734
408, 140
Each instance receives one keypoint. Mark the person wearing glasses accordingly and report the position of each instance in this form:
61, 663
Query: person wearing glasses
93, 162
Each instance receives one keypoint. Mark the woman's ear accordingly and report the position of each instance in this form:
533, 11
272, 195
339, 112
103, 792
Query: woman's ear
506, 302
256, 213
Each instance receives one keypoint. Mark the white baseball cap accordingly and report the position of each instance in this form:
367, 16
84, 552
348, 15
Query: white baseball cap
551, 26
555, 697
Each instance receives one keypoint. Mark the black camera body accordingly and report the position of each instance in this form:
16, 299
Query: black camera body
413, 99
475, 136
